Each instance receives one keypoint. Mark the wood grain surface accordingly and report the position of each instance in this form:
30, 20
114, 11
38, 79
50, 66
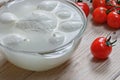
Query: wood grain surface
81, 65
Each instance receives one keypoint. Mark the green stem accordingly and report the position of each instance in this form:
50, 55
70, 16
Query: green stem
90, 1
109, 4
113, 8
79, 1
108, 11
118, 1
108, 40
107, 1
118, 11
113, 42
109, 43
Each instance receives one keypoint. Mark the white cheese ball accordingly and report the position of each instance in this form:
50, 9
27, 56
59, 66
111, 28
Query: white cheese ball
63, 14
8, 17
70, 26
47, 5
57, 38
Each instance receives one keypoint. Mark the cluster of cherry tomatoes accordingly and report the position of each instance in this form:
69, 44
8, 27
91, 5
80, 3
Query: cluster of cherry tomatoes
104, 11
107, 11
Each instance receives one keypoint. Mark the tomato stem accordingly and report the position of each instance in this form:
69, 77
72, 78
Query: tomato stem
109, 4
109, 43
107, 1
118, 1
90, 1
79, 1
113, 42
118, 11
114, 7
108, 40
108, 11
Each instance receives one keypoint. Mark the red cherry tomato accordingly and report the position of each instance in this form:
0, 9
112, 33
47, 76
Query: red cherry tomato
113, 20
100, 49
98, 3
84, 7
100, 15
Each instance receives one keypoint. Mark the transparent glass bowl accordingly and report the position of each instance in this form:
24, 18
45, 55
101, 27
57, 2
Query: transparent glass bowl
39, 61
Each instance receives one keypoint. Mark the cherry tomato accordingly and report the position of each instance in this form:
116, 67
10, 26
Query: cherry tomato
98, 3
113, 20
100, 15
84, 7
101, 48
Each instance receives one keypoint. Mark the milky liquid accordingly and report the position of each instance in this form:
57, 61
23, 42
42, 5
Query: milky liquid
42, 27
